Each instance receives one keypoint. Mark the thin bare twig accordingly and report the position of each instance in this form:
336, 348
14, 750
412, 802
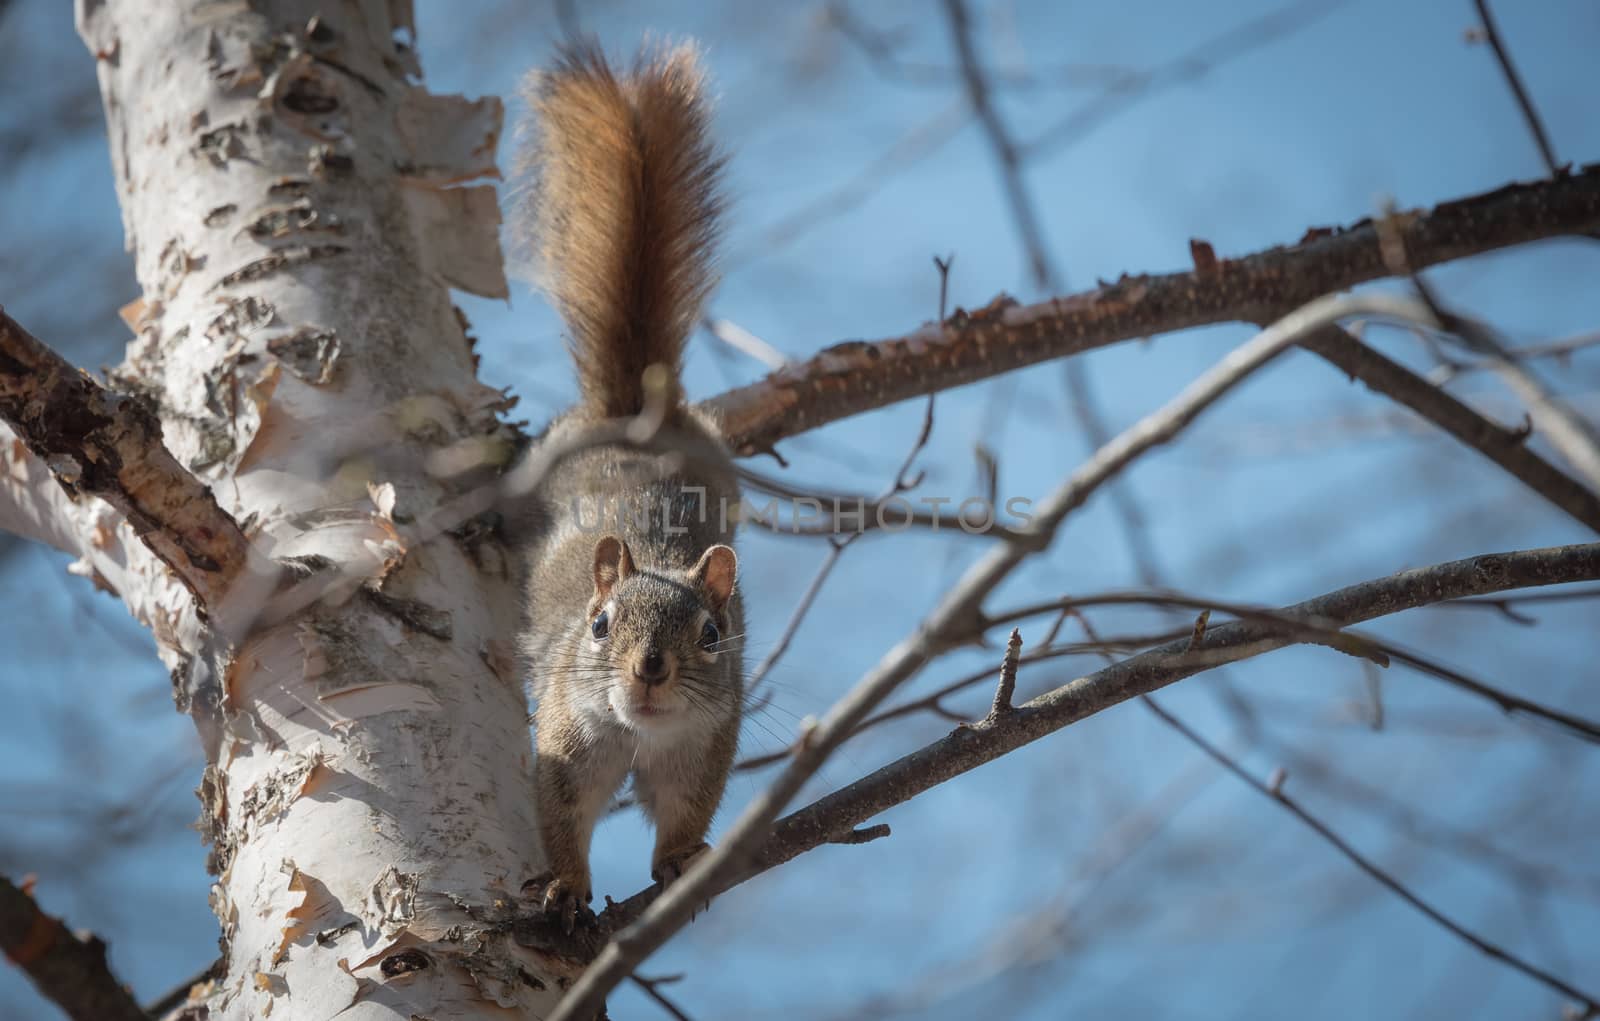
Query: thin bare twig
934, 700
1530, 114
1023, 213
1506, 605
1007, 687
1566, 430
1557, 349
923, 140
836, 548
746, 343
943, 266
1236, 42
649, 985
1573, 437
1057, 925
1312, 631
1122, 91
1507, 448
879, 47
1450, 369
1046, 275
1378, 800
1274, 790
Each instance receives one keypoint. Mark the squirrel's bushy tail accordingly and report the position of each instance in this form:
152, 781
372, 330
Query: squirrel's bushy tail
624, 215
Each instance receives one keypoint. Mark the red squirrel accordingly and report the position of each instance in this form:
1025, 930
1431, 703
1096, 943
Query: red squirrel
633, 630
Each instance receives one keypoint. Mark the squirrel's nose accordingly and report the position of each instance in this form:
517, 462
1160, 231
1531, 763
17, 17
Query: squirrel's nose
652, 667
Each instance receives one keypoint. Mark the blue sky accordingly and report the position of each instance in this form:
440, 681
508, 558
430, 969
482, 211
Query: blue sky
1298, 484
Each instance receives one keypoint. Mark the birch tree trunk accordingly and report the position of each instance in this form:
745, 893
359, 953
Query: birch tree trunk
295, 205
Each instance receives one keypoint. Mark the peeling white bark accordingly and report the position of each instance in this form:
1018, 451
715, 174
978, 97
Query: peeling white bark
109, 553
295, 205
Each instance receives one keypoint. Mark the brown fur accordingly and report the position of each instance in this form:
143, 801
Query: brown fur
625, 214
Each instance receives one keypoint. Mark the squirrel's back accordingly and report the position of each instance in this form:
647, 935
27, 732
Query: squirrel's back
624, 217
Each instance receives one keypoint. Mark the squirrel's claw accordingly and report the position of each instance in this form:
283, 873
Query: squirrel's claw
560, 897
671, 867
563, 905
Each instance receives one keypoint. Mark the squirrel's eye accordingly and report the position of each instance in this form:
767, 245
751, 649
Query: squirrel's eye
709, 635
601, 626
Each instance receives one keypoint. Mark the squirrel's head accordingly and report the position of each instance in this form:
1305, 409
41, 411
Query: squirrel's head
659, 634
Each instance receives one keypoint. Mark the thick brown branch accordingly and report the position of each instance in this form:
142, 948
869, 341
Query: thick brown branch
70, 970
108, 445
968, 747
857, 376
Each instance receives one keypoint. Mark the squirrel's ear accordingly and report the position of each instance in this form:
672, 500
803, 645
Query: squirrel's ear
717, 570
612, 564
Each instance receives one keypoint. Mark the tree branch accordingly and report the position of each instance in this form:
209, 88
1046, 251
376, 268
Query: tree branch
650, 987
1023, 213
967, 747
1530, 114
856, 376
69, 969
1199, 61
1313, 632
108, 445
1564, 429
1505, 447
1374, 650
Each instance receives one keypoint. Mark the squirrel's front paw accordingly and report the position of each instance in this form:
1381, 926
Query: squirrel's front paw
669, 867
562, 896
